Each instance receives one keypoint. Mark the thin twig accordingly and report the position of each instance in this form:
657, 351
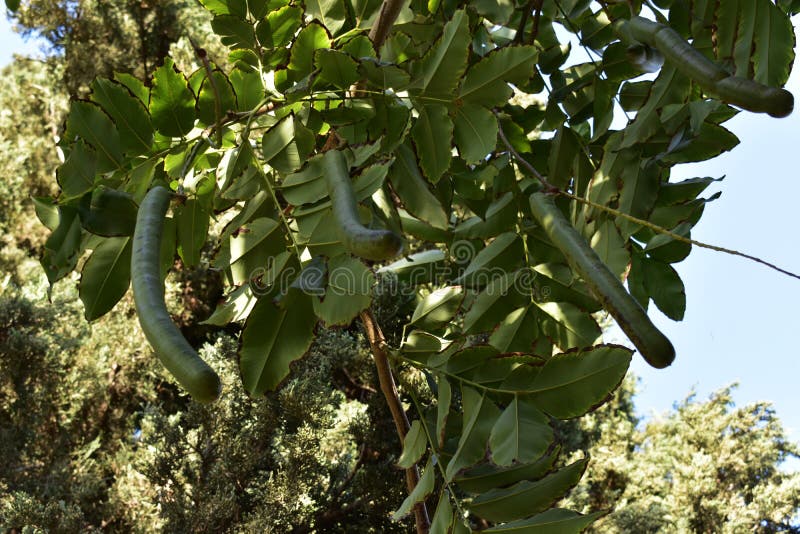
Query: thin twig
377, 344
536, 20
647, 224
203, 55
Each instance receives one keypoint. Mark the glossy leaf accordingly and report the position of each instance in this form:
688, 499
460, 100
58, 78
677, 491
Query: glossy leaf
444, 64
193, 222
172, 103
128, 113
87, 121
274, 336
105, 277
521, 434
554, 521
413, 190
423, 488
572, 383
487, 476
432, 134
76, 175
215, 99
348, 291
475, 131
527, 498
479, 416
278, 28
486, 82
414, 446
438, 307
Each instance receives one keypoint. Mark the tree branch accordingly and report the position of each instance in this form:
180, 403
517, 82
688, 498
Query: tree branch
377, 344
390, 9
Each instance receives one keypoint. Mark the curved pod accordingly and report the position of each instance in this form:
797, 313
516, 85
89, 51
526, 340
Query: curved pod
170, 346
743, 92
367, 243
607, 288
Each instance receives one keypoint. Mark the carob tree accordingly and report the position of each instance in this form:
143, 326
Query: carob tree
337, 134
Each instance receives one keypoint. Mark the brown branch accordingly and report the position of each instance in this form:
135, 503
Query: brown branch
390, 9
377, 344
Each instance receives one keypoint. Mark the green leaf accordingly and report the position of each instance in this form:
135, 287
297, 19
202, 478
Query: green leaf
63, 248
497, 11
438, 307
443, 517
568, 326
105, 277
443, 403
307, 185
711, 141
87, 120
475, 130
336, 68
273, 337
554, 521
193, 221
237, 306
46, 211
443, 66
479, 415
331, 13
418, 268
432, 134
76, 175
347, 293
248, 87
521, 434
412, 188
250, 235
665, 287
610, 247
414, 446
207, 105
487, 476
233, 31
110, 213
517, 332
172, 103
527, 498
423, 488
277, 30
501, 256
494, 303
12, 5
127, 112
225, 7
572, 383
135, 86
486, 82
287, 144
311, 38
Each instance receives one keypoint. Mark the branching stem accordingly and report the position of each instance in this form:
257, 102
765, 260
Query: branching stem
378, 345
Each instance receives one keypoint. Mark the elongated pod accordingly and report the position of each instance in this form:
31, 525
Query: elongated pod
362, 241
742, 92
170, 346
630, 316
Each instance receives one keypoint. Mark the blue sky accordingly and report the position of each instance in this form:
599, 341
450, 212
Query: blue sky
741, 317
